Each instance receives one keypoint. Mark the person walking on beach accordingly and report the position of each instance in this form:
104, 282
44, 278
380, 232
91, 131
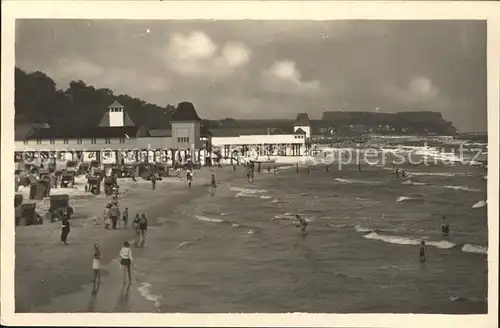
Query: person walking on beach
189, 176
125, 218
153, 180
107, 217
64, 228
445, 227
302, 223
213, 185
96, 264
359, 166
423, 257
135, 225
114, 213
143, 229
126, 262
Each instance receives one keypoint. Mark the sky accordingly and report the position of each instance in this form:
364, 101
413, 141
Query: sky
271, 69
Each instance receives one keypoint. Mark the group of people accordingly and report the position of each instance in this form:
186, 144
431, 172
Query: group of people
445, 231
125, 255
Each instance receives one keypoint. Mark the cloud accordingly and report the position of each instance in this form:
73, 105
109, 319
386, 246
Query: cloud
119, 79
419, 91
284, 77
196, 54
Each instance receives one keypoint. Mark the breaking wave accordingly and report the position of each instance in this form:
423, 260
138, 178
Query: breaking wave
443, 244
414, 183
207, 219
481, 203
463, 188
355, 181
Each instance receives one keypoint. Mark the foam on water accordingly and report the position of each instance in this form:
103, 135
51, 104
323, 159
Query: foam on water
437, 174
475, 249
247, 192
355, 181
207, 219
144, 290
481, 203
443, 244
361, 229
403, 198
463, 188
266, 197
414, 183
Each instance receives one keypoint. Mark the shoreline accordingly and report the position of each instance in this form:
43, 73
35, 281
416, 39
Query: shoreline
46, 269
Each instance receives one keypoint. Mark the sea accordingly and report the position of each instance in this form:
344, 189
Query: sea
241, 251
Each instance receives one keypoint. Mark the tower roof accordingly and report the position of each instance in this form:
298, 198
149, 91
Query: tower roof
185, 112
300, 131
302, 120
115, 104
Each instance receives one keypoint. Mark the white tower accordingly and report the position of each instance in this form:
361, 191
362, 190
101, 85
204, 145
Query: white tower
116, 114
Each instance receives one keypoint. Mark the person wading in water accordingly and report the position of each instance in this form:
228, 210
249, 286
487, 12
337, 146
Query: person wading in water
423, 256
302, 223
96, 264
126, 262
445, 227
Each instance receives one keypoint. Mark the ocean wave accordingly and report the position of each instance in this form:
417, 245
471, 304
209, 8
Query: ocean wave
403, 198
474, 249
361, 229
481, 203
275, 201
463, 188
144, 290
355, 181
414, 183
437, 174
207, 219
400, 240
252, 231
266, 197
246, 192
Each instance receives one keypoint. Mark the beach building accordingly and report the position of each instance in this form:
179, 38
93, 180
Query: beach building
255, 142
117, 140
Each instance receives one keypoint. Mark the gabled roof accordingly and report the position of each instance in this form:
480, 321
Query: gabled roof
127, 121
300, 131
185, 112
302, 120
115, 104
87, 133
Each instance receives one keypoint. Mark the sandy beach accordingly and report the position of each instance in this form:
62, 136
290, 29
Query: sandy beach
45, 268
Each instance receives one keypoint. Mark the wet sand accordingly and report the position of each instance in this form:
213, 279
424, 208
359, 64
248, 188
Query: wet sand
46, 268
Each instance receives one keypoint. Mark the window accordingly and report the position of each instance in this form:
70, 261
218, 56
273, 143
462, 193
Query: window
25, 142
39, 142
79, 141
66, 141
52, 141
122, 140
107, 140
93, 141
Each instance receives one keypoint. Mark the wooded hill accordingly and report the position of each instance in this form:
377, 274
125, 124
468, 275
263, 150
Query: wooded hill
38, 100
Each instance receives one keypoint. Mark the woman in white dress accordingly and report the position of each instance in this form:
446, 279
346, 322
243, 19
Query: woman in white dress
96, 264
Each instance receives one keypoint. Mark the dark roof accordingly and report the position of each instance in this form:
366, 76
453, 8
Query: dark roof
302, 119
300, 131
234, 132
185, 112
22, 131
205, 132
115, 104
85, 133
160, 132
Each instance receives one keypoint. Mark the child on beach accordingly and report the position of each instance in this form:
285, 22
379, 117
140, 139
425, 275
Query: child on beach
126, 261
422, 252
125, 218
96, 264
189, 176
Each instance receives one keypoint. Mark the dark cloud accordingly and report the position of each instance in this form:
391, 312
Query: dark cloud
271, 68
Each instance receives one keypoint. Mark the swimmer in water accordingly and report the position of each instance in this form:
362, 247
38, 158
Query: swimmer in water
422, 252
445, 227
302, 223
397, 172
